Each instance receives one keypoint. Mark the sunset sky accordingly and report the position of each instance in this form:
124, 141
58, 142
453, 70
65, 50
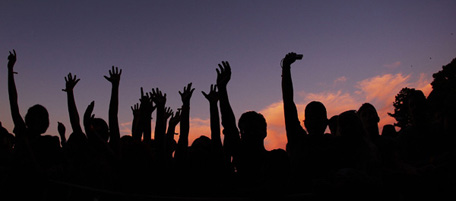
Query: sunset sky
354, 52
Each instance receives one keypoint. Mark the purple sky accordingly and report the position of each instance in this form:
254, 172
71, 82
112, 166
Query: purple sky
348, 46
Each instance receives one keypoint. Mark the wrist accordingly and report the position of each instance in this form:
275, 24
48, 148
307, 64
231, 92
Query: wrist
286, 66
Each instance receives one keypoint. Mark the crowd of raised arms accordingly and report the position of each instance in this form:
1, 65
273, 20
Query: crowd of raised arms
352, 161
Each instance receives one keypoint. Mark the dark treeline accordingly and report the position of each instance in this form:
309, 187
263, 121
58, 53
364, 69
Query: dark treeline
353, 161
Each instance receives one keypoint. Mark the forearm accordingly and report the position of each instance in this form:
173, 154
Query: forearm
184, 125
113, 111
292, 124
12, 92
215, 125
160, 126
73, 113
170, 133
135, 129
182, 142
232, 139
146, 125
228, 118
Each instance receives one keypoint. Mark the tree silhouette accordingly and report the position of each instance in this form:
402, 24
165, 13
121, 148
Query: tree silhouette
400, 108
445, 79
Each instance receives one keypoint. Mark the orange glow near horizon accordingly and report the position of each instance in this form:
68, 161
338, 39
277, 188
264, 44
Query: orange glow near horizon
379, 90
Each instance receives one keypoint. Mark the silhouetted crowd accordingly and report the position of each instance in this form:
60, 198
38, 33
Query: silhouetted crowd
353, 161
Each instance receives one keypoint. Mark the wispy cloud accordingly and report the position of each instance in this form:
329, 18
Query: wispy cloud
341, 79
392, 65
125, 128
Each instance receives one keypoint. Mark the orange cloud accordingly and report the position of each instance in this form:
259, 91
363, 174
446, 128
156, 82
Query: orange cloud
382, 88
379, 91
125, 128
276, 137
335, 102
198, 127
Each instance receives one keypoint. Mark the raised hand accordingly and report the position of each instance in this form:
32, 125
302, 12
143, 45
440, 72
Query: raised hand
135, 110
146, 106
168, 112
187, 93
136, 131
158, 97
114, 75
70, 82
11, 59
175, 118
289, 59
212, 96
223, 74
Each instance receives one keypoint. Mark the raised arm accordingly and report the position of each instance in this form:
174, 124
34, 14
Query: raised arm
160, 123
230, 130
70, 83
114, 78
213, 99
185, 113
17, 118
135, 127
169, 138
292, 124
146, 108
182, 143
168, 113
173, 121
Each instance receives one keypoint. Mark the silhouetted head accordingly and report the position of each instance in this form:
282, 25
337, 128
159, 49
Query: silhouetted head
101, 128
252, 126
369, 118
389, 131
200, 153
332, 124
202, 144
316, 119
350, 125
37, 119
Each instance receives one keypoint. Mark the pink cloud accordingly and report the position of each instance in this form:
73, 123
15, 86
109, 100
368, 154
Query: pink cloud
383, 87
